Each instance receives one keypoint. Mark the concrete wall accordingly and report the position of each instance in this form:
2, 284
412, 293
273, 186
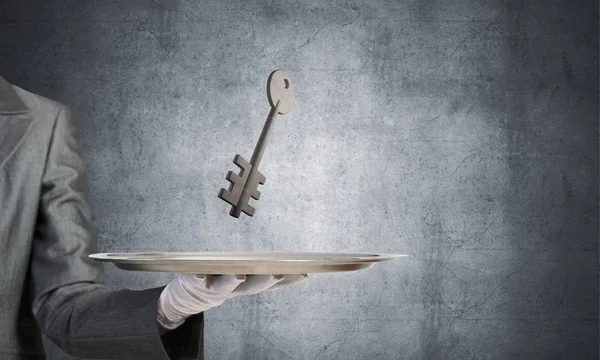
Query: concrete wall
464, 134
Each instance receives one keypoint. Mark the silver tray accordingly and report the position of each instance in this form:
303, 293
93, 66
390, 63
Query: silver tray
243, 262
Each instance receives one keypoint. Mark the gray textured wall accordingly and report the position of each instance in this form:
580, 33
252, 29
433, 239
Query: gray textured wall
464, 134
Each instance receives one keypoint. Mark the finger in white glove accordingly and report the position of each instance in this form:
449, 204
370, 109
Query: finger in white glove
288, 280
255, 284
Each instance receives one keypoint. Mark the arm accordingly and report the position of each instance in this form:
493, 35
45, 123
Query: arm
70, 303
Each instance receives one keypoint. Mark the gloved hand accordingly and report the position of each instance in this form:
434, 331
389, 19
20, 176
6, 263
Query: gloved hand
189, 294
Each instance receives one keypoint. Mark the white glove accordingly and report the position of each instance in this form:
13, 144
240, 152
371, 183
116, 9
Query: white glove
189, 294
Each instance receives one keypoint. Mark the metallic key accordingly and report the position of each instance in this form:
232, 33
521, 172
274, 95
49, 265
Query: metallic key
245, 184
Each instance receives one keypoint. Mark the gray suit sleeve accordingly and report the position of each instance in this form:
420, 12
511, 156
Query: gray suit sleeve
70, 303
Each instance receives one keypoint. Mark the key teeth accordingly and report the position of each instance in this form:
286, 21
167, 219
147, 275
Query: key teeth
255, 194
233, 177
226, 196
237, 181
261, 178
241, 162
248, 209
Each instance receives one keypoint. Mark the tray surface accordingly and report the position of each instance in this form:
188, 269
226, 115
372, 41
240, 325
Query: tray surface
243, 262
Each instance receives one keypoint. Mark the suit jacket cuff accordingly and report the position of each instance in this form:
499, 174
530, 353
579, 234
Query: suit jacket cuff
186, 342
98, 322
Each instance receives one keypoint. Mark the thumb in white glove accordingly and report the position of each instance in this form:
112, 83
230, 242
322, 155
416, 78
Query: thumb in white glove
188, 294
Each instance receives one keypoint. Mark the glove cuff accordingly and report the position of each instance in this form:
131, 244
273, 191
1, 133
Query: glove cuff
166, 323
163, 319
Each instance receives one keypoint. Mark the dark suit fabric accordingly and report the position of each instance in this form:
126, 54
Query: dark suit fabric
49, 285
